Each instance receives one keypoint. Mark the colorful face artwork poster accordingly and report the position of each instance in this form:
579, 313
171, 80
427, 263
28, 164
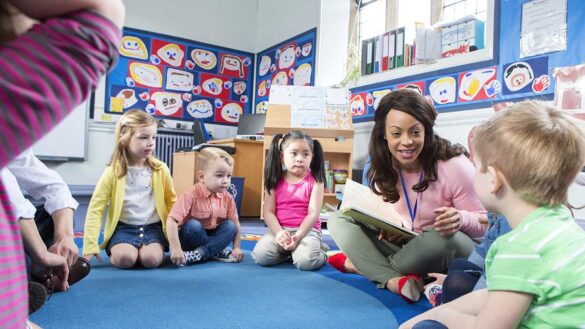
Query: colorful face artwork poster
478, 85
527, 76
291, 62
443, 91
179, 79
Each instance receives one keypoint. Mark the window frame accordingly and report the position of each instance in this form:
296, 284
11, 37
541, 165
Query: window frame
488, 56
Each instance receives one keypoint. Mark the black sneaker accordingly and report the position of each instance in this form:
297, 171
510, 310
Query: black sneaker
193, 256
37, 295
225, 256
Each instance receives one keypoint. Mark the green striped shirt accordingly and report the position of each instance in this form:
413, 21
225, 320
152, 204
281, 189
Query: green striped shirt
543, 256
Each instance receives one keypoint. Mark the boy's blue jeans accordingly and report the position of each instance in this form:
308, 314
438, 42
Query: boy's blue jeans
192, 236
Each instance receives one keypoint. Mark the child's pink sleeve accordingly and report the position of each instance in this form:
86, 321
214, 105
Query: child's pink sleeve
47, 72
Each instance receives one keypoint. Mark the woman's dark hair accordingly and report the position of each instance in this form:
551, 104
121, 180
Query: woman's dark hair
273, 171
382, 175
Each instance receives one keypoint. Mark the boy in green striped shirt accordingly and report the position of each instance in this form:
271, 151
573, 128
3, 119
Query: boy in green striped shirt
526, 158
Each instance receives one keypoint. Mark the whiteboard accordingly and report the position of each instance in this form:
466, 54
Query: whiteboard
68, 140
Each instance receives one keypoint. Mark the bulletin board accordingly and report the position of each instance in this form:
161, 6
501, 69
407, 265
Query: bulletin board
179, 79
291, 62
508, 78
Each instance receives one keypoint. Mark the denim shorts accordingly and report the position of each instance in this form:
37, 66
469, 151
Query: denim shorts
137, 235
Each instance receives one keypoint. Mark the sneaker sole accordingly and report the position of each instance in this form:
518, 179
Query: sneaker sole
223, 260
37, 295
412, 289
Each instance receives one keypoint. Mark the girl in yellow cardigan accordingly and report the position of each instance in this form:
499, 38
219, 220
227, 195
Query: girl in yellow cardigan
139, 190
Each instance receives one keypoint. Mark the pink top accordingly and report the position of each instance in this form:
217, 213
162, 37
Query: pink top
46, 73
453, 188
292, 202
210, 209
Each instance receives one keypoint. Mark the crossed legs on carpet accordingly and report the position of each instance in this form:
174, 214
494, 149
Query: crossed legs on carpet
308, 255
383, 262
200, 244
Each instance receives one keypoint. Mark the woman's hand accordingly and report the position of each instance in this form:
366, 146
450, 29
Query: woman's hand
396, 239
448, 221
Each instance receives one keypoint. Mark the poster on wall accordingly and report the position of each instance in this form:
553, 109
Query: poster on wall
529, 75
291, 62
478, 85
569, 92
544, 27
179, 79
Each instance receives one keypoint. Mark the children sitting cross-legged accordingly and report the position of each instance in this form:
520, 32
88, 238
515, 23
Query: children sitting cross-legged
204, 220
526, 158
293, 179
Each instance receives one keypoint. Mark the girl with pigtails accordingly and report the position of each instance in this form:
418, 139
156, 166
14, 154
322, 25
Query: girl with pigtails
294, 178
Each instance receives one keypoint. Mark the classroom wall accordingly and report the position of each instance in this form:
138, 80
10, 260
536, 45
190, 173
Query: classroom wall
228, 23
332, 33
283, 19
279, 20
249, 25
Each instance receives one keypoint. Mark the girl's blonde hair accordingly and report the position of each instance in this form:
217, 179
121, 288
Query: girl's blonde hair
538, 148
125, 129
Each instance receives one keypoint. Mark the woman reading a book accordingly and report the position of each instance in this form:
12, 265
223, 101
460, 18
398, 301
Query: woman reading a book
429, 181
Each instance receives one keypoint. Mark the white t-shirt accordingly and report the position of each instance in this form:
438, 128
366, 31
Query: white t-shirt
139, 205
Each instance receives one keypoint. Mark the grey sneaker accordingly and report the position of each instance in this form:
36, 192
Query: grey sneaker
225, 256
193, 256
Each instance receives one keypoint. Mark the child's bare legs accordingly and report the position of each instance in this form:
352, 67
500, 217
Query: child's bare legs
151, 255
350, 268
123, 255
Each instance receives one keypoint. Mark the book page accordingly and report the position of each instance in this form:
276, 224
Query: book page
360, 197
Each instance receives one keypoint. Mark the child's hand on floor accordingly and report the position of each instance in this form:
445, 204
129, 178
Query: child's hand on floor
283, 238
238, 254
178, 256
90, 256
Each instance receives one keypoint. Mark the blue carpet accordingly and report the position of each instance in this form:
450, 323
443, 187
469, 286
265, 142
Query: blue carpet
217, 295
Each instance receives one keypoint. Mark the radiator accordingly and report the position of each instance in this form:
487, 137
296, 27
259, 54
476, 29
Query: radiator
169, 143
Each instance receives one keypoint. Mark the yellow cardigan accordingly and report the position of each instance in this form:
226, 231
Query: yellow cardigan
110, 189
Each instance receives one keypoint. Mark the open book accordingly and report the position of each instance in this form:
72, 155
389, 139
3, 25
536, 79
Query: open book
362, 205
